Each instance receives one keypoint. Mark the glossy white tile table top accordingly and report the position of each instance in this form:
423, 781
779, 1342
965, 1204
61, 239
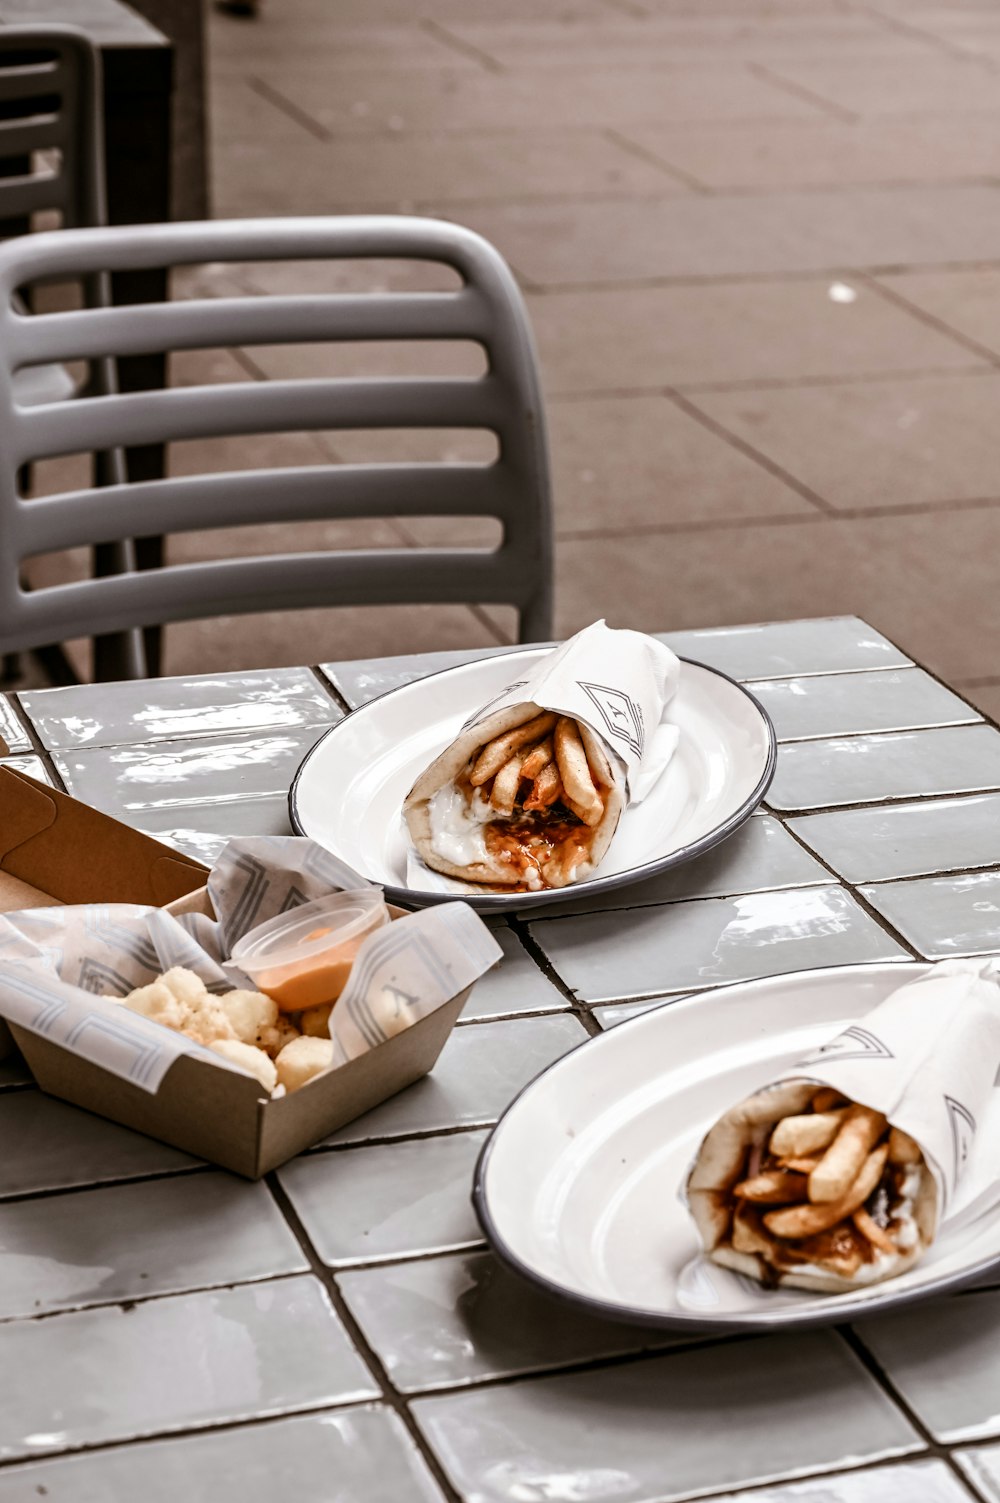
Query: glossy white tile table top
340, 1330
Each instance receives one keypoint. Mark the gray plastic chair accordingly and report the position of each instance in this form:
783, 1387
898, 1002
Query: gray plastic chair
487, 308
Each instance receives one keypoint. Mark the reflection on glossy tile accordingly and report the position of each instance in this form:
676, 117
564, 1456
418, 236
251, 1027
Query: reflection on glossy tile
946, 1365
650, 1430
604, 957
177, 774
48, 1145
515, 985
942, 916
201, 830
367, 678
365, 1454
87, 1378
132, 1241
911, 1482
982, 1465
835, 644
171, 709
759, 856
480, 1071
33, 766
906, 840
11, 729
387, 1201
866, 769
844, 704
457, 1320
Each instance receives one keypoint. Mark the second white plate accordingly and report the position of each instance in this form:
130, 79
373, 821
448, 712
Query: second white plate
348, 793
578, 1185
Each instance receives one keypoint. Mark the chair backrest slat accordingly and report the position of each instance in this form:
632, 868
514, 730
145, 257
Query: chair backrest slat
506, 400
184, 413
264, 321
325, 492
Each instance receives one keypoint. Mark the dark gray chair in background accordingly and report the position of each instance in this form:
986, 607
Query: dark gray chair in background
52, 163
487, 308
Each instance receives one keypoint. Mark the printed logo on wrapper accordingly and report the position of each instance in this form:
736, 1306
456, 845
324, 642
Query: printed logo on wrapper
621, 715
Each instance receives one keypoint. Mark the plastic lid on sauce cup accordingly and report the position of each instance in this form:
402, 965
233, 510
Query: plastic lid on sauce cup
290, 956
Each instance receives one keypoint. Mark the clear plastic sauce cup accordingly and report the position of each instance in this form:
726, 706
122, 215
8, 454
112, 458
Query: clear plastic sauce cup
303, 958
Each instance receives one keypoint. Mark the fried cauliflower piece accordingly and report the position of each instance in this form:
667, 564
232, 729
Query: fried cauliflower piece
253, 1017
158, 1003
208, 1023
315, 1021
302, 1060
188, 988
254, 1061
284, 1032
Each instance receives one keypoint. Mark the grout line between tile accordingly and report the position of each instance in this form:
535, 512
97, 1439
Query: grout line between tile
328, 686
884, 1380
441, 34
264, 90
890, 295
829, 108
643, 154
50, 1192
132, 1302
741, 446
356, 1334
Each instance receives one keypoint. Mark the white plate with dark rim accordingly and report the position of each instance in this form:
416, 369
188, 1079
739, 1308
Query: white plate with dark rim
348, 793
577, 1187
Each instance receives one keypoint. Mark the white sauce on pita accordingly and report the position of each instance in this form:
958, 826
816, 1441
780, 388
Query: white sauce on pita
457, 826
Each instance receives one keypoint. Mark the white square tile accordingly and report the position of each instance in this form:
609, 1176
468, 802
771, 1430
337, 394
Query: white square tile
608, 957
906, 840
945, 1361
943, 916
458, 1320
182, 1362
668, 1427
388, 1200
365, 1453
129, 1242
868, 769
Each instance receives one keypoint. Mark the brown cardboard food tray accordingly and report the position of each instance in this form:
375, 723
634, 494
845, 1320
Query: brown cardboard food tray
54, 849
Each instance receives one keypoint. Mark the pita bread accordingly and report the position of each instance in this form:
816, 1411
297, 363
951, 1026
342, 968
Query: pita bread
456, 760
721, 1164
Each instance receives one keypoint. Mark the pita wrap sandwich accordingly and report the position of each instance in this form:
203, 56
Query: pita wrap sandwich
800, 1187
527, 798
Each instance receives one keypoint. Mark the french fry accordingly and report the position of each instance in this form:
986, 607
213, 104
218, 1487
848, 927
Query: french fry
772, 1188
877, 1235
902, 1148
797, 1222
497, 753
795, 1137
548, 787
505, 786
859, 1131
827, 1099
581, 794
538, 757
746, 1234
800, 1166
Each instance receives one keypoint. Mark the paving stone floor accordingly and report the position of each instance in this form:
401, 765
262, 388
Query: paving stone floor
760, 244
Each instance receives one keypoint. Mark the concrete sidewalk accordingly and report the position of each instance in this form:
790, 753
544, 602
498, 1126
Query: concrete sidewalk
760, 242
